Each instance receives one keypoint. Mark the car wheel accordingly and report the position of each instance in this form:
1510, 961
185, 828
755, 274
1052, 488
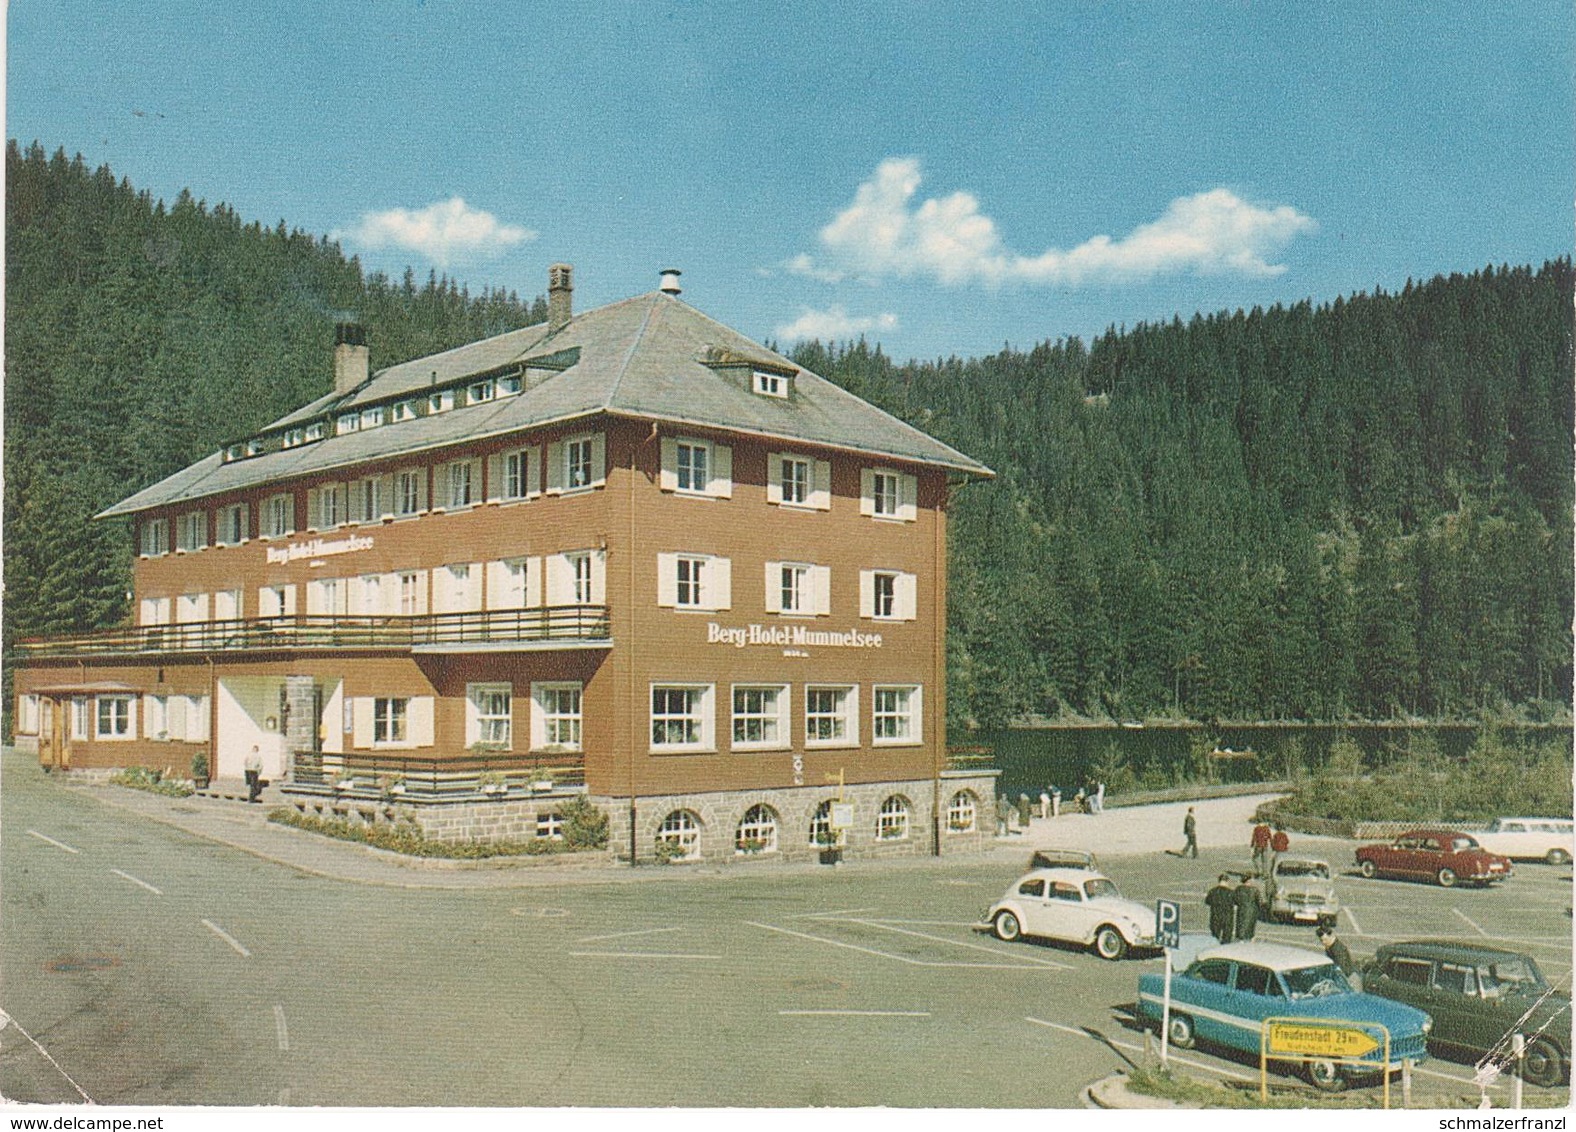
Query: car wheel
1325, 1076
1542, 1064
1007, 926
1447, 878
1558, 857
1367, 868
1181, 1032
1109, 944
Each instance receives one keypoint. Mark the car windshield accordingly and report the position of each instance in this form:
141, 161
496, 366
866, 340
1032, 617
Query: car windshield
1459, 843
1303, 869
1100, 887
1315, 982
1507, 975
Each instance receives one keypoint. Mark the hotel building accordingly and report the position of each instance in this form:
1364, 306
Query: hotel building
627, 554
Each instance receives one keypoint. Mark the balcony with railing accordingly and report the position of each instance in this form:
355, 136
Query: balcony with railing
390, 775
551, 627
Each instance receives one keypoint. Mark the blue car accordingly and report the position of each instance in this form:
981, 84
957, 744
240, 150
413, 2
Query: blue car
1226, 993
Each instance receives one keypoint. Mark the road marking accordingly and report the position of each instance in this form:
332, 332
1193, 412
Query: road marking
856, 1013
902, 958
1352, 916
52, 841
637, 955
1140, 1049
922, 923
835, 912
80, 1091
281, 1031
134, 880
625, 935
1469, 923
884, 926
227, 937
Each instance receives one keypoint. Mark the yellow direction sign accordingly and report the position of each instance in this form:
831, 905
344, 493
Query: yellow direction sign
1320, 1041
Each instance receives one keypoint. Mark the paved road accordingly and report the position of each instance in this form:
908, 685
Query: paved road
155, 967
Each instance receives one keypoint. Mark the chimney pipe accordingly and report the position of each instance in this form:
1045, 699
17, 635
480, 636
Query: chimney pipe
560, 291
670, 281
351, 356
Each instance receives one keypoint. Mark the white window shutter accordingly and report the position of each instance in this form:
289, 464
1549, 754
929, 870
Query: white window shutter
314, 507
473, 587
867, 492
559, 580
197, 720
599, 578
355, 595
476, 480
361, 722
533, 582
598, 459
668, 580
908, 498
721, 583
418, 721
555, 467
774, 587
387, 485
150, 715
175, 717
473, 727
290, 601
423, 489
905, 597
821, 587
821, 488
495, 465
422, 591
774, 477
721, 484
668, 478
867, 593
533, 472
497, 585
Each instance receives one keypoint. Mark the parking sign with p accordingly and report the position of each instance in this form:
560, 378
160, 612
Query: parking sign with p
1168, 923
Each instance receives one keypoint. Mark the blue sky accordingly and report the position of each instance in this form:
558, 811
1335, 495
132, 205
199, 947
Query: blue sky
943, 178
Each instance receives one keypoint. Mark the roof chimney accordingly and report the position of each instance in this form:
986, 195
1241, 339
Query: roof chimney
559, 293
351, 356
670, 280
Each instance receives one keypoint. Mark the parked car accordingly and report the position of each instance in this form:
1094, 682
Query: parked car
1227, 992
1075, 906
1479, 996
1300, 889
1531, 839
1442, 855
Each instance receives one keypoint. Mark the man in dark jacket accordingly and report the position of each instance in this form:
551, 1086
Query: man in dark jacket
1190, 831
1246, 899
1340, 955
1222, 910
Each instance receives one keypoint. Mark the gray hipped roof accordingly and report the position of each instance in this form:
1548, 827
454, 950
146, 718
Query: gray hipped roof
653, 357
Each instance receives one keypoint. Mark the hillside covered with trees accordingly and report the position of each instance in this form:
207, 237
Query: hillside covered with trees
1360, 509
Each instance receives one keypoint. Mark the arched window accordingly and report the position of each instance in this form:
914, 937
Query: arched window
757, 832
821, 832
962, 812
892, 821
680, 831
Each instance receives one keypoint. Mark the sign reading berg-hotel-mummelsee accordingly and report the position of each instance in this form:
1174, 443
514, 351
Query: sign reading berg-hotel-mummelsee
791, 636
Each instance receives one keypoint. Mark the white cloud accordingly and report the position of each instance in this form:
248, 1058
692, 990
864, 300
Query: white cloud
833, 323
443, 232
884, 233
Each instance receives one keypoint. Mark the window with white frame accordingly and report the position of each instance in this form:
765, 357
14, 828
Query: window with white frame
489, 715
366, 595
457, 588
514, 471
155, 537
409, 490
892, 821
694, 581
316, 431
227, 605
330, 506
798, 588
390, 716
114, 718
693, 466
349, 422
254, 447
373, 417
293, 438
794, 590
886, 494
771, 384
798, 481
404, 410
460, 488
279, 515
895, 710
232, 525
412, 594
576, 463
191, 608
191, 531
510, 384
680, 830
156, 717
550, 826
821, 831
760, 716
793, 478
831, 716
366, 500
81, 716
234, 452
757, 831
580, 576
887, 595
276, 601
325, 597
27, 714
690, 580
578, 457
962, 812
681, 717
481, 391
441, 401
154, 611
557, 715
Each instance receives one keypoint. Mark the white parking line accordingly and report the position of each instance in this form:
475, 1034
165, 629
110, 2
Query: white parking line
134, 880
1352, 916
1139, 1049
1469, 922
52, 841
80, 1091
856, 1013
626, 935
884, 926
281, 1031
636, 955
922, 923
227, 937
900, 958
834, 912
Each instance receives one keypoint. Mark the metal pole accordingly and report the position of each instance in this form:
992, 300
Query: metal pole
1165, 1018
1518, 1045
1406, 1083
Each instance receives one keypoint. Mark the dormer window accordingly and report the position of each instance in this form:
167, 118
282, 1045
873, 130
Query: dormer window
405, 411
316, 431
350, 422
441, 402
509, 386
481, 391
294, 437
371, 418
235, 452
254, 447
771, 384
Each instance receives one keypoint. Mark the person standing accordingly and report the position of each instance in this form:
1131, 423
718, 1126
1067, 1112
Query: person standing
1099, 798
1246, 899
1279, 843
1340, 955
1056, 801
254, 774
1003, 814
1222, 909
1045, 803
1260, 844
1190, 831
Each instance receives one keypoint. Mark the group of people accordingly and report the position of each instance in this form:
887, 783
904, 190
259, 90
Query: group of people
1233, 907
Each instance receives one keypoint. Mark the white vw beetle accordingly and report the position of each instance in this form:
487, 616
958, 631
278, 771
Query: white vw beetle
1074, 905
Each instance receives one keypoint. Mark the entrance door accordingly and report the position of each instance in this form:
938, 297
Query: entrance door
52, 749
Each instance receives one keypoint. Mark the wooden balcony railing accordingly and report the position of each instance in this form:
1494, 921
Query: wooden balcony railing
390, 774
306, 632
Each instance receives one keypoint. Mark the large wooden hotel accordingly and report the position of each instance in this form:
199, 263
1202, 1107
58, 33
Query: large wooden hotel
626, 554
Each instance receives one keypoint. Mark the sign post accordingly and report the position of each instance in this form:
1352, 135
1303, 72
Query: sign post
1168, 934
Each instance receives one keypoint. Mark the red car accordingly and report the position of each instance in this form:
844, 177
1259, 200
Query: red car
1441, 855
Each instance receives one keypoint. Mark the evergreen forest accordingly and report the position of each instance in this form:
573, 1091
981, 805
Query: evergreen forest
1354, 510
